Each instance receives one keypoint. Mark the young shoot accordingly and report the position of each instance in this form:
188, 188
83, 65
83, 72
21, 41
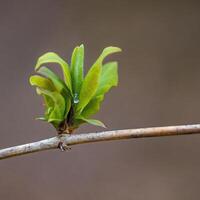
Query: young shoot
73, 100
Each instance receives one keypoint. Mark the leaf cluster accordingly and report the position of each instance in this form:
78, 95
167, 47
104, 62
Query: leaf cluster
71, 101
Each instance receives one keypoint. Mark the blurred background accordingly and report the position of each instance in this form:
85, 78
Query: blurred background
159, 72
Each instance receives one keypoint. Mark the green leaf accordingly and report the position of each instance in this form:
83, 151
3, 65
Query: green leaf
48, 103
56, 115
54, 102
45, 84
92, 121
41, 82
52, 57
91, 81
77, 62
59, 85
93, 106
108, 79
107, 51
89, 86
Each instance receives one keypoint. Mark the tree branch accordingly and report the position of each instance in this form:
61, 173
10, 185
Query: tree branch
68, 140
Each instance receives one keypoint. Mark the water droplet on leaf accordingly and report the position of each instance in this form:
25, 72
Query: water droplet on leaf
76, 100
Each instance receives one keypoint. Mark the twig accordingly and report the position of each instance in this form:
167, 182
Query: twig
68, 140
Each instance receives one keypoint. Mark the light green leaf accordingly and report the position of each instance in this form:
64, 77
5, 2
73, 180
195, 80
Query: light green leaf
108, 79
55, 121
92, 121
93, 106
77, 62
56, 115
59, 85
46, 84
89, 86
107, 51
52, 57
48, 103
91, 81
41, 82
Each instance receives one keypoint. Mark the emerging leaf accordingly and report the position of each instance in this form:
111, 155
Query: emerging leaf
93, 106
59, 85
57, 107
52, 57
108, 79
91, 81
42, 82
89, 86
54, 102
77, 62
92, 121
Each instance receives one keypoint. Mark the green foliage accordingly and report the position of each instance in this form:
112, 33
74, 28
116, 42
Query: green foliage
71, 102
77, 62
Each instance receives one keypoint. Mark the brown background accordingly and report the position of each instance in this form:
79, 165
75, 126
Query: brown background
159, 85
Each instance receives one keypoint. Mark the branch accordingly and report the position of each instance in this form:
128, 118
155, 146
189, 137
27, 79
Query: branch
68, 140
